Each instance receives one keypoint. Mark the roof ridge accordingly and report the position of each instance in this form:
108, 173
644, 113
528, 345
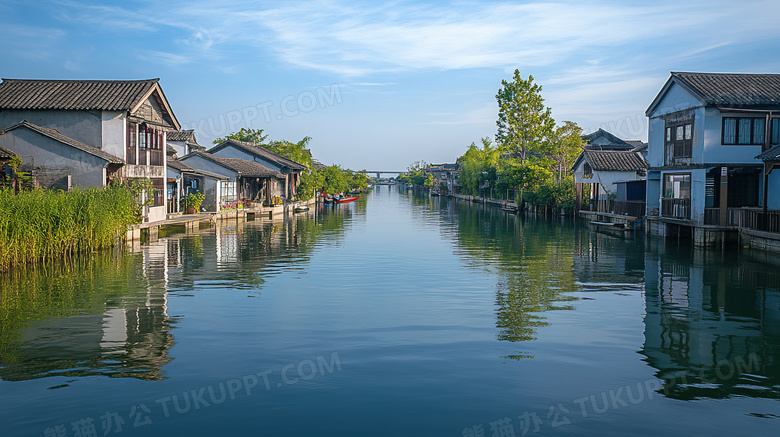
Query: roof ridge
156, 79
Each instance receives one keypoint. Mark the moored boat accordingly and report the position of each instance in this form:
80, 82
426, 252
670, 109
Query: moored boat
345, 199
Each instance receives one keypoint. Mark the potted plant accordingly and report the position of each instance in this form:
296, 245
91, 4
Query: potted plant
191, 203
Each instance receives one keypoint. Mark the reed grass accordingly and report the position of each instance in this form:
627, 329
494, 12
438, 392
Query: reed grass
39, 225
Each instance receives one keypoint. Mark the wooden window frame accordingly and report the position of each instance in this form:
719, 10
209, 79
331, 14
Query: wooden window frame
680, 147
735, 142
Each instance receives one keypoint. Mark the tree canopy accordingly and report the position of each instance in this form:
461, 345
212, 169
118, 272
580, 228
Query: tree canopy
525, 125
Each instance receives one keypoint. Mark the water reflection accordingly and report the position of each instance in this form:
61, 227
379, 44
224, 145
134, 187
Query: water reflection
712, 327
107, 314
103, 314
531, 256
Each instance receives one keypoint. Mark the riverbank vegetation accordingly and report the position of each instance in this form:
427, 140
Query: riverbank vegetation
40, 224
531, 158
320, 178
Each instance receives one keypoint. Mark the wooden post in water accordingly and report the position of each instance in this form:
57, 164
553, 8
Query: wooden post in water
724, 196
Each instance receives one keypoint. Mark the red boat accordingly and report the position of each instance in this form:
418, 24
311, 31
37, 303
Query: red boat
345, 199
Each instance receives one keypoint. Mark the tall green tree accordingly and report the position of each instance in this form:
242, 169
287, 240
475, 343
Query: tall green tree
525, 125
567, 146
254, 136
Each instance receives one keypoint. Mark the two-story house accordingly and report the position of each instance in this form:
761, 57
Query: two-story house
126, 120
706, 131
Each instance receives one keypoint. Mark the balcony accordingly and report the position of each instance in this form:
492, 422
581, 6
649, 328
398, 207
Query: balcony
748, 218
679, 208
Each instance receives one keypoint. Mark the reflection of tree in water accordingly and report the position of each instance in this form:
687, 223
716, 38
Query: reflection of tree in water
533, 258
712, 328
101, 313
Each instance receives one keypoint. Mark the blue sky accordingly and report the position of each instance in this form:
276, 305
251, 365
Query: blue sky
380, 85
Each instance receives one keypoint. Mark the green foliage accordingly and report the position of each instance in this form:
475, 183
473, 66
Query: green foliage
20, 179
40, 224
254, 136
415, 174
429, 182
525, 125
567, 145
193, 201
297, 152
478, 165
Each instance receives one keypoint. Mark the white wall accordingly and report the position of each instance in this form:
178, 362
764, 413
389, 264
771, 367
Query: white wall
114, 133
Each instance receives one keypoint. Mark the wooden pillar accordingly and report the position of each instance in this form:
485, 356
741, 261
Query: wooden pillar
578, 196
596, 196
724, 196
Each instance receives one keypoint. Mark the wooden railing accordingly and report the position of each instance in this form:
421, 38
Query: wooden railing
676, 208
630, 207
749, 218
603, 205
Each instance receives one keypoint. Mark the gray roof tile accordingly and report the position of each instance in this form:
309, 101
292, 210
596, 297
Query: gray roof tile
241, 166
733, 89
107, 95
614, 160
260, 152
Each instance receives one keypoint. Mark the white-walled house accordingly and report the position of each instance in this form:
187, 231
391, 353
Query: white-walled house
183, 142
126, 119
286, 186
605, 163
706, 132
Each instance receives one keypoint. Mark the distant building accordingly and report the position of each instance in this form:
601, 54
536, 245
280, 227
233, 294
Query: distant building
183, 142
606, 164
445, 178
247, 181
286, 187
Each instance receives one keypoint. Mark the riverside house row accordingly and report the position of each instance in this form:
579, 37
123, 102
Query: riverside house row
706, 173
87, 133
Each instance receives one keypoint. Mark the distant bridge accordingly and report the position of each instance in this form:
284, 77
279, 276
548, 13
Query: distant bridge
379, 173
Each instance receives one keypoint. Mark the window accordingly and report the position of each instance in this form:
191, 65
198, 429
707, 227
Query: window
159, 191
775, 131
679, 138
587, 171
677, 186
677, 196
744, 131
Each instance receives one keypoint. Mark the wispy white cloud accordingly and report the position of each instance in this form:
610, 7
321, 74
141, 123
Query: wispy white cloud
359, 39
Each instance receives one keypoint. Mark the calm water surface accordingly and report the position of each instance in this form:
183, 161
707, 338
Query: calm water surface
395, 315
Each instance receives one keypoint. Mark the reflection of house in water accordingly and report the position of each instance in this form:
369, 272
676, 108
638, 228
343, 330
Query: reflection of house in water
602, 258
712, 329
129, 338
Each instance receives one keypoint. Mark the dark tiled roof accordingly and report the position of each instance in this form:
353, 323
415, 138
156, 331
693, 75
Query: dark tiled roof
53, 134
724, 89
772, 154
5, 153
260, 152
636, 143
615, 160
728, 90
241, 166
182, 167
107, 95
178, 165
187, 135
603, 140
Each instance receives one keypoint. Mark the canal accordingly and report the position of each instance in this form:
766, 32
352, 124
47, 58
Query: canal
395, 315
